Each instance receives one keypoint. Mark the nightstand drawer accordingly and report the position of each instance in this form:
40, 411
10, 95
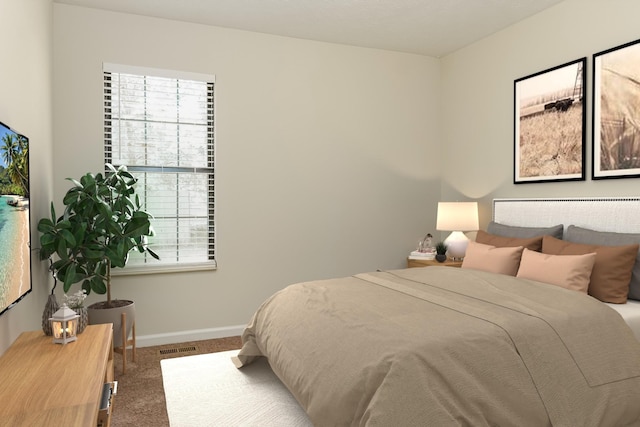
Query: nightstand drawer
431, 262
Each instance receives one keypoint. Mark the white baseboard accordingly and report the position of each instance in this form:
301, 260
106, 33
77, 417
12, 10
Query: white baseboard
184, 336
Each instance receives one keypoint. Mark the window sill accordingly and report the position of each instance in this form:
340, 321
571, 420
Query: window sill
160, 269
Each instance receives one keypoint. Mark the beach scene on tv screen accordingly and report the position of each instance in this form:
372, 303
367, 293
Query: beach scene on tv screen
15, 278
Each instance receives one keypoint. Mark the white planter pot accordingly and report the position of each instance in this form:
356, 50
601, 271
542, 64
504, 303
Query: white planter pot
98, 314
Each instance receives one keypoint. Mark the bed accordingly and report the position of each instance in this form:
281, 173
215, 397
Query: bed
445, 346
619, 216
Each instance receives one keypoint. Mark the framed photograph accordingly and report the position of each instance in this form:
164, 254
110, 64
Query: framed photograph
549, 125
616, 112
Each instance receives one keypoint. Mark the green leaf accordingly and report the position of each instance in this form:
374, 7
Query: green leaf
65, 223
113, 256
75, 182
70, 197
69, 277
45, 225
98, 285
53, 213
86, 285
93, 254
45, 253
61, 250
60, 266
153, 254
47, 240
80, 232
70, 239
66, 286
86, 180
102, 269
138, 226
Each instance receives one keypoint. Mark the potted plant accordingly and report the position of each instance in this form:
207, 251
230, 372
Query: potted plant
102, 222
441, 252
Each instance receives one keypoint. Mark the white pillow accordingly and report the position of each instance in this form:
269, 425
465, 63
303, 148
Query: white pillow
492, 259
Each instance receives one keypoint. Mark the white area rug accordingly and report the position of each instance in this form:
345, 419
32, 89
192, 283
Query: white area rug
208, 390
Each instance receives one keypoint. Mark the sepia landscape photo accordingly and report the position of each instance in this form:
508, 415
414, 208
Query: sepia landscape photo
616, 130
549, 124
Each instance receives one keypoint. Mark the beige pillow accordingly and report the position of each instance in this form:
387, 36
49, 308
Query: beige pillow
611, 273
568, 271
533, 243
494, 260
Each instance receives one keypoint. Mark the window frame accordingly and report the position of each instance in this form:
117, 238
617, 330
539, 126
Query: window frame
153, 267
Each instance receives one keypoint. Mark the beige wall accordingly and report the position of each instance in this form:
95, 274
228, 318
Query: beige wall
477, 94
330, 158
25, 105
326, 156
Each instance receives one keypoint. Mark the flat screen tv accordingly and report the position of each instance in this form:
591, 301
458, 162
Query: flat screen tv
15, 253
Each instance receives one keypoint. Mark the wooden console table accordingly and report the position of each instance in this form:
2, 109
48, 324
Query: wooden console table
47, 384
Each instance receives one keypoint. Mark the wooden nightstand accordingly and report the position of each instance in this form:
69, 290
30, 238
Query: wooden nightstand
431, 262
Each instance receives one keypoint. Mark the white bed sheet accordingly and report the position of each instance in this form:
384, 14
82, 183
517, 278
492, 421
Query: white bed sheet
630, 312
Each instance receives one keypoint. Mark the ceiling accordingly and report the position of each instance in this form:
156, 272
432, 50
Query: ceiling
427, 27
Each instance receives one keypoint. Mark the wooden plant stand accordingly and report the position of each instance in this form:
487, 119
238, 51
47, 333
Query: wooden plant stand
126, 342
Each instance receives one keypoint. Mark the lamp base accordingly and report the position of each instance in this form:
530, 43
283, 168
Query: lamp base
457, 244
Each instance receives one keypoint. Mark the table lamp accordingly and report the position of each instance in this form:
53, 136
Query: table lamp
457, 217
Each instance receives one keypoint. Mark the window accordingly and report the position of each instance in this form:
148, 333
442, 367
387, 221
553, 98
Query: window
160, 124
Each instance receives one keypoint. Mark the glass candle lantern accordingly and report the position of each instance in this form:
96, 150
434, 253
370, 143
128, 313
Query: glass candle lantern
64, 325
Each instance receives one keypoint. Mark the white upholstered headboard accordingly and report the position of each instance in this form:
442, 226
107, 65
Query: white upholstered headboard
618, 214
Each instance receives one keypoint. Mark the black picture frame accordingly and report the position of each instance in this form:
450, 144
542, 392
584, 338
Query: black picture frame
549, 125
616, 112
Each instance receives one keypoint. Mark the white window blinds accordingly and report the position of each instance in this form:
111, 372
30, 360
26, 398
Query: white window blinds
160, 124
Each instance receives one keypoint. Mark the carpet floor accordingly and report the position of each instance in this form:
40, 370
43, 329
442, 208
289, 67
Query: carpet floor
140, 401
207, 390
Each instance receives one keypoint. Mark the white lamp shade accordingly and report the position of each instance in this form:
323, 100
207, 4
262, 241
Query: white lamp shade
457, 216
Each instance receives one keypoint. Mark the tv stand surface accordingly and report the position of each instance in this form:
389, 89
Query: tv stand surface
42, 383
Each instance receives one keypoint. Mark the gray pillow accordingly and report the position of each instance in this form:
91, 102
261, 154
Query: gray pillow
608, 238
524, 232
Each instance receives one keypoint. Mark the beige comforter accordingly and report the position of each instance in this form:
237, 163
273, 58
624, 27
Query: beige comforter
441, 346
